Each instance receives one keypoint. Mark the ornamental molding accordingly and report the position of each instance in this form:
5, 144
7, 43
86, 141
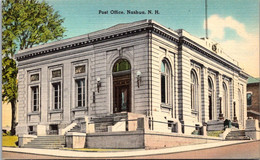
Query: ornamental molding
149, 27
184, 41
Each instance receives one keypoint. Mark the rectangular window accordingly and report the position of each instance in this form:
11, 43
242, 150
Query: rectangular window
35, 98
80, 69
80, 89
163, 94
57, 95
56, 73
249, 99
34, 77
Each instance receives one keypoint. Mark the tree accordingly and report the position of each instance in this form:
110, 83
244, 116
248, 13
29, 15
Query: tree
25, 23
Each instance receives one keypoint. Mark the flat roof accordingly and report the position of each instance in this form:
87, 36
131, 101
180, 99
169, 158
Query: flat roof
253, 80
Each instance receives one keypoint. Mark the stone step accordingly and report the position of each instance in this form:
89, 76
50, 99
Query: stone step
47, 142
238, 138
50, 142
237, 135
44, 146
77, 128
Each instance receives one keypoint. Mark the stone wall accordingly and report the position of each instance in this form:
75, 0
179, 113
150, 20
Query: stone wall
154, 140
116, 140
141, 139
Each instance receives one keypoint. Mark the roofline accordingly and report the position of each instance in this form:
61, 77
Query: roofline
120, 31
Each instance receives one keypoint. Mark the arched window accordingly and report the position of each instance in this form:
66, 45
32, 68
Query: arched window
194, 90
240, 105
211, 95
121, 65
165, 82
225, 100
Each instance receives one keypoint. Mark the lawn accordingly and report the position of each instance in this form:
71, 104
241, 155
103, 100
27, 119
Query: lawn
214, 133
9, 141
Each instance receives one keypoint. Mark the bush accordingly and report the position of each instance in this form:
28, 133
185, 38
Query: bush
214, 133
9, 141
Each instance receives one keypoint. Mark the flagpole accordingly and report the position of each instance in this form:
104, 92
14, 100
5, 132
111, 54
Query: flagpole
206, 18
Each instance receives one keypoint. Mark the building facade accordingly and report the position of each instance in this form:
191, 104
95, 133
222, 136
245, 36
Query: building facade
253, 98
141, 67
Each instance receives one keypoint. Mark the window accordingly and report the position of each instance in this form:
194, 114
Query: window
35, 98
34, 77
225, 100
80, 89
249, 99
193, 90
80, 69
165, 84
121, 65
56, 73
32, 130
56, 95
80, 85
210, 95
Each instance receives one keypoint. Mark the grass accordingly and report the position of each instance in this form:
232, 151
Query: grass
9, 141
214, 133
93, 149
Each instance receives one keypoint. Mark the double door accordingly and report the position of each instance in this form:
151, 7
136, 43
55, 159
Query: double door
122, 93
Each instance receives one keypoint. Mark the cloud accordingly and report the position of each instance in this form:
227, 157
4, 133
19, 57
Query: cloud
244, 49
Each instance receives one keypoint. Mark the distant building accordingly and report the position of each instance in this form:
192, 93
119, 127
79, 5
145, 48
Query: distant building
253, 98
141, 68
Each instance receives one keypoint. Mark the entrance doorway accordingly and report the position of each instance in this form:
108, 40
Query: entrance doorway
122, 93
121, 86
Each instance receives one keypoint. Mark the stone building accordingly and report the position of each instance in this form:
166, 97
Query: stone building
142, 68
253, 98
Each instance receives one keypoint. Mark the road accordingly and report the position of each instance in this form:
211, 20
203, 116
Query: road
249, 150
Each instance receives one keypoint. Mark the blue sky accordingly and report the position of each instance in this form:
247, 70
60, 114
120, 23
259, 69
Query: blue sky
232, 23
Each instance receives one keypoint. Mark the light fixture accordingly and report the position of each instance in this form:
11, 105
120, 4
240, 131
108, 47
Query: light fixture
98, 83
139, 78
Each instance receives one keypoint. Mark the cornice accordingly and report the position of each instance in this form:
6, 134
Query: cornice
60, 47
189, 43
101, 37
149, 27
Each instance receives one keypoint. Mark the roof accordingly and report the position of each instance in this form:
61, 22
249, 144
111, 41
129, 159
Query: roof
253, 112
253, 80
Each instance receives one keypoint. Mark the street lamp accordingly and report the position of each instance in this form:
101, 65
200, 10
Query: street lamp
139, 78
98, 83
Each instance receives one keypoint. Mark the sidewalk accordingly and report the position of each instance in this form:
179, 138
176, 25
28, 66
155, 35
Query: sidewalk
121, 154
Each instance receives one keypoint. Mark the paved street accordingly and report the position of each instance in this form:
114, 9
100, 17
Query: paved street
239, 151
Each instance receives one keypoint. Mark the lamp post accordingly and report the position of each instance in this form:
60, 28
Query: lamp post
139, 79
98, 83
220, 109
235, 117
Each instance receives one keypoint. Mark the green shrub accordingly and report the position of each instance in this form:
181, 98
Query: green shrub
214, 133
9, 141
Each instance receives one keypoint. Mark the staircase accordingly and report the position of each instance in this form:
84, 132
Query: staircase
76, 128
237, 135
47, 142
102, 123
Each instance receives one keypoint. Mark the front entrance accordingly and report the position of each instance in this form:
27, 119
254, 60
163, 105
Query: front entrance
122, 93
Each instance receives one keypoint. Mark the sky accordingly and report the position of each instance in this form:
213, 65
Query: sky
234, 24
